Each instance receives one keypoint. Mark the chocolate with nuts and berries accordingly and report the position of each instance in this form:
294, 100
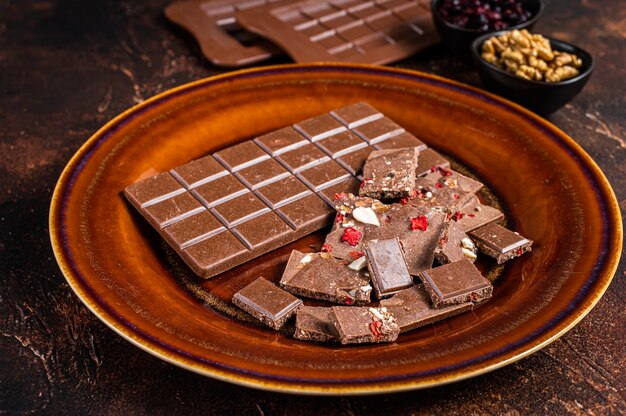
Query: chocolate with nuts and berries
325, 278
356, 325
389, 173
500, 243
455, 245
413, 308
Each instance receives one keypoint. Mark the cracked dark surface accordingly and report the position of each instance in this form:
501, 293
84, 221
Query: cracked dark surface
68, 66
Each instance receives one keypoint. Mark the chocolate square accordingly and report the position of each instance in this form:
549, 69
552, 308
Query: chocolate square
281, 141
215, 254
356, 114
267, 303
315, 323
387, 266
378, 130
319, 127
283, 192
241, 155
173, 209
240, 209
199, 171
324, 175
389, 173
219, 190
262, 173
154, 189
310, 212
303, 158
455, 283
500, 243
264, 230
192, 229
341, 144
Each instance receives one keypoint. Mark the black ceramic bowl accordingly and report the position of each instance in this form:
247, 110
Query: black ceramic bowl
459, 40
541, 97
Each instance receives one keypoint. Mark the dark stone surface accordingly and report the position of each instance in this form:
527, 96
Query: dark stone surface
68, 66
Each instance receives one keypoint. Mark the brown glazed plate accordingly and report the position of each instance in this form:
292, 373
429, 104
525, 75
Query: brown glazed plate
550, 189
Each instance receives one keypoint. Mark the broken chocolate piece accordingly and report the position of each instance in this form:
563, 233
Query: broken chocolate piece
267, 303
389, 173
328, 279
357, 325
413, 308
315, 323
429, 161
500, 243
458, 188
387, 266
455, 245
474, 215
455, 283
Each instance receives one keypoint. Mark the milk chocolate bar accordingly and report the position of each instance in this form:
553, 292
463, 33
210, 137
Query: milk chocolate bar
222, 39
344, 30
315, 323
389, 173
413, 308
387, 267
455, 283
327, 279
267, 303
224, 209
357, 325
500, 243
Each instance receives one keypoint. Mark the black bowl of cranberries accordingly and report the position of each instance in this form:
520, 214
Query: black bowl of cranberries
459, 22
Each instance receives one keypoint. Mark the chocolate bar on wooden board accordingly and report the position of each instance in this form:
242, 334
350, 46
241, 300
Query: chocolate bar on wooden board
224, 209
374, 32
221, 38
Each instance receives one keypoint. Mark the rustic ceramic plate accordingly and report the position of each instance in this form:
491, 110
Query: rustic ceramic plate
119, 267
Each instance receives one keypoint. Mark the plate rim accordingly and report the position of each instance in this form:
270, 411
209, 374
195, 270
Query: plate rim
61, 251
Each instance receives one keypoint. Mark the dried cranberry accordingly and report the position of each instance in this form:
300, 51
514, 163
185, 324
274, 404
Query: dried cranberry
419, 223
327, 248
484, 15
351, 236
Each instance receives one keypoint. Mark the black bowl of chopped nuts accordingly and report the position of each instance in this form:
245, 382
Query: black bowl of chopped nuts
538, 72
459, 22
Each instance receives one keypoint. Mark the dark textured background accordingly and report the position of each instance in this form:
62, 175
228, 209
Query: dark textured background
68, 66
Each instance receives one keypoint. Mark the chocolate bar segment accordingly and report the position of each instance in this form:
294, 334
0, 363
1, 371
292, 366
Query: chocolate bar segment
267, 303
367, 32
500, 243
413, 308
327, 279
357, 325
455, 245
387, 267
315, 323
389, 173
455, 283
430, 161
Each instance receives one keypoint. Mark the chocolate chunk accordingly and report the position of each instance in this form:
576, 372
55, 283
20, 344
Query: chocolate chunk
496, 241
429, 161
474, 215
293, 265
357, 325
413, 308
455, 185
455, 283
315, 323
267, 303
389, 173
455, 245
387, 266
328, 279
